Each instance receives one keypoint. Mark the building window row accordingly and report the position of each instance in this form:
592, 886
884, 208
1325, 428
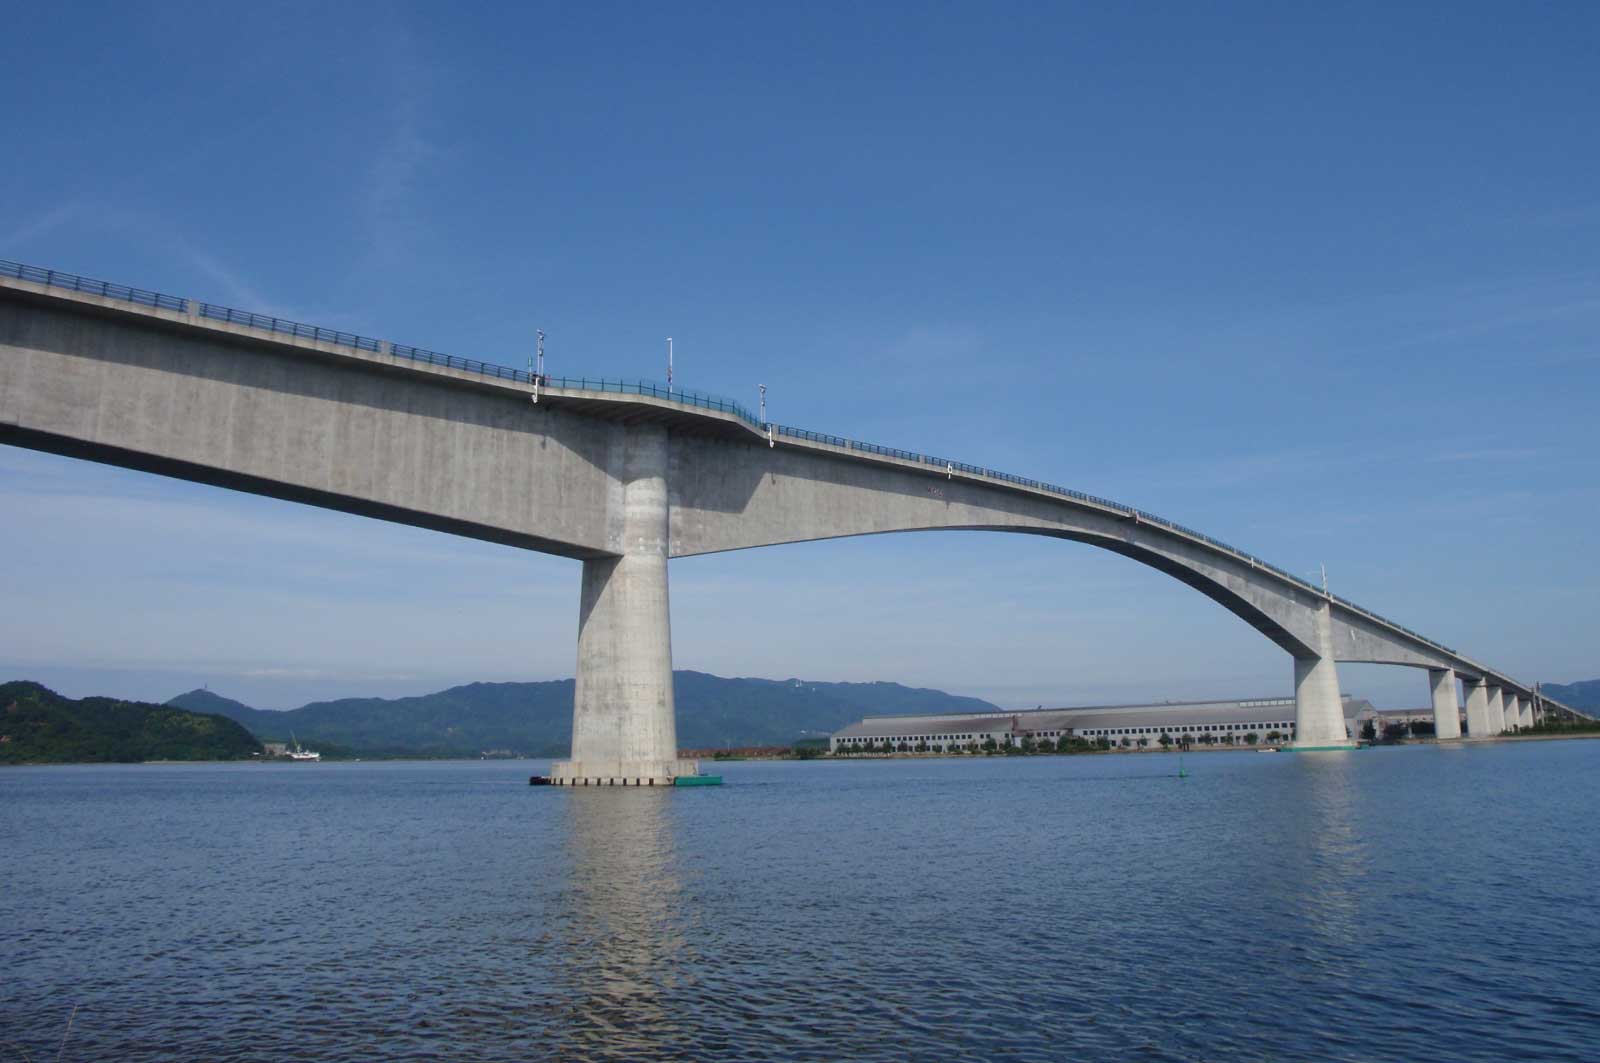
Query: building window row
1210, 728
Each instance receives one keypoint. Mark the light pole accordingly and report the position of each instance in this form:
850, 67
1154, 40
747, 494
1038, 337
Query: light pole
669, 365
537, 374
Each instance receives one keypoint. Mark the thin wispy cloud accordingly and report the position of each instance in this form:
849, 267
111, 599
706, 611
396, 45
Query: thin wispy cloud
322, 673
29, 232
227, 277
103, 220
1573, 217
1490, 454
1355, 328
391, 193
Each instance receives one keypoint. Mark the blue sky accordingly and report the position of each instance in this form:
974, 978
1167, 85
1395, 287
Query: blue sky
1320, 280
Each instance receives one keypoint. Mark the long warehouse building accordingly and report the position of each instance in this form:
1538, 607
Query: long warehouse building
1269, 719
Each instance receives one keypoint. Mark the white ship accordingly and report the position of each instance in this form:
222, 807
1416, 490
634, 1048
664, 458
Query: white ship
296, 752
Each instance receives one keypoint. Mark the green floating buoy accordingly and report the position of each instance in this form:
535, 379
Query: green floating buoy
1181, 773
697, 780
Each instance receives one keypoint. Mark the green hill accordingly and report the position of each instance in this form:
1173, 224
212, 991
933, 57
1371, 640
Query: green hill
39, 726
536, 718
1583, 695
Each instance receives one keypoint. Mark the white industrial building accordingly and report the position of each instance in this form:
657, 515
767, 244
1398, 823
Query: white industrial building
1270, 720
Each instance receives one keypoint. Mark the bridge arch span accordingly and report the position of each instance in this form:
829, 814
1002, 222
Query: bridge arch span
621, 475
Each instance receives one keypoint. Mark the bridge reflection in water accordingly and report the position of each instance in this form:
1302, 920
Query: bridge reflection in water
620, 951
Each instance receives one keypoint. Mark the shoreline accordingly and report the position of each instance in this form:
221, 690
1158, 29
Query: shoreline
1464, 740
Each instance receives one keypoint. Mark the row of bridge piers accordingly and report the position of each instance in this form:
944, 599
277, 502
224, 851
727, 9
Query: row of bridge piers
1490, 710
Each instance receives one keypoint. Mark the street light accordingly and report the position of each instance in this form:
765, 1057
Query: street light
537, 374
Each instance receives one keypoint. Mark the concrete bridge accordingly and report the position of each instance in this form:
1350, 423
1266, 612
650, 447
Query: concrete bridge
621, 476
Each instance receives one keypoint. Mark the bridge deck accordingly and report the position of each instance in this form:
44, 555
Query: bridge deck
627, 402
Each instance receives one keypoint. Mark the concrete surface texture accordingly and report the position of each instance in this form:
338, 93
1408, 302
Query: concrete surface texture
623, 723
1446, 705
1497, 711
623, 482
1477, 707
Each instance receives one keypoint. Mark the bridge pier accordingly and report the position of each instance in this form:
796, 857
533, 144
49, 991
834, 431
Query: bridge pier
1446, 706
1477, 708
1497, 711
1318, 709
624, 726
1525, 712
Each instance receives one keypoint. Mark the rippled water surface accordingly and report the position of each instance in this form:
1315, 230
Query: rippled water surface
1409, 904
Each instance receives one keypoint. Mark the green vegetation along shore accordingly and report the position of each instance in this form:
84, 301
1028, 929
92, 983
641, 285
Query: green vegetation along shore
39, 726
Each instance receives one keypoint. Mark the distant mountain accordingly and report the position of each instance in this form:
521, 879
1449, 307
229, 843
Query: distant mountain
37, 725
1583, 695
260, 722
536, 718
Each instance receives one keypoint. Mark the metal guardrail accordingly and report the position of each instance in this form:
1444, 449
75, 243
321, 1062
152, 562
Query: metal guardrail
212, 311
654, 390
288, 328
301, 330
949, 466
73, 282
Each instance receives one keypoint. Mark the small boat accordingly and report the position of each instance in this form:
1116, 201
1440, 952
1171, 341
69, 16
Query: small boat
297, 752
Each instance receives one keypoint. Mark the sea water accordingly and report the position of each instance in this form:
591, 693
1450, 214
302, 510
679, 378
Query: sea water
1422, 903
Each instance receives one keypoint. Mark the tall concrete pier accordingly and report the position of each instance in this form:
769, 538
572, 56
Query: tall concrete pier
1319, 711
1477, 706
624, 724
1446, 706
621, 477
1496, 710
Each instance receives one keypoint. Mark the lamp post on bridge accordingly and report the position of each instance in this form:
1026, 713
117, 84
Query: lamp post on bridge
537, 374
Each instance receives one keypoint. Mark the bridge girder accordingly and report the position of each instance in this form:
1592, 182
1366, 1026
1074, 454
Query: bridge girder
467, 449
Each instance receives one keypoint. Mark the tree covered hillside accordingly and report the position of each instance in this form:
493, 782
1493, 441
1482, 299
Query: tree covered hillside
39, 726
1583, 695
536, 718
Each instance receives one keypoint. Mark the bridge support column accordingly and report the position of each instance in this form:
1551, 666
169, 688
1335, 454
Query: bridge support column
624, 728
1497, 711
1525, 712
1446, 707
1318, 709
1477, 708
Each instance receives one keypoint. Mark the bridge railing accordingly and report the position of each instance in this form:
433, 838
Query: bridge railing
1145, 516
287, 327
215, 312
73, 282
355, 341
660, 391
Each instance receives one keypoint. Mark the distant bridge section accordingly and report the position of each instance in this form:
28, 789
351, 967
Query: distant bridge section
623, 476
